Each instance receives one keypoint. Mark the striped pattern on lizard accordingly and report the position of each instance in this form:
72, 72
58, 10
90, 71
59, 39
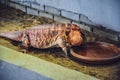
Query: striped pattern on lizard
49, 35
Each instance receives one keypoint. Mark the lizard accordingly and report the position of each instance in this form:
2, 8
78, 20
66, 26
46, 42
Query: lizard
44, 36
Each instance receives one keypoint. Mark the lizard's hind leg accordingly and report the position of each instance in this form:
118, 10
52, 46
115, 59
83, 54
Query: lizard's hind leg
25, 44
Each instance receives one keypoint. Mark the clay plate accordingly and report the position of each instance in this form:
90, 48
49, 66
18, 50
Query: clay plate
96, 52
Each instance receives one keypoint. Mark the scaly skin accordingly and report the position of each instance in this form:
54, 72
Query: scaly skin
46, 36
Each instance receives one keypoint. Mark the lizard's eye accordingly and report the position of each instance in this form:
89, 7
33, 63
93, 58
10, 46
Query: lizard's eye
67, 33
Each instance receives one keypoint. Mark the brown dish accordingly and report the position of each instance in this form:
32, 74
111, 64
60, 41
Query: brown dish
96, 52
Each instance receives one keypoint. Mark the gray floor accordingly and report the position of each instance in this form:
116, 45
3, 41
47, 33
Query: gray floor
12, 72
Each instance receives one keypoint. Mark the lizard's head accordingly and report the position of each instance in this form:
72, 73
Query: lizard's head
75, 36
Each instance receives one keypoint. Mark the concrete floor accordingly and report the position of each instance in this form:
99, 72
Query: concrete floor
18, 66
12, 72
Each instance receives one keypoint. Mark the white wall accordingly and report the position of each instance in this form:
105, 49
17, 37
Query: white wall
105, 12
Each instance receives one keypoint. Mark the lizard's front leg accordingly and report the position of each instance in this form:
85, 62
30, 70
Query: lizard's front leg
62, 43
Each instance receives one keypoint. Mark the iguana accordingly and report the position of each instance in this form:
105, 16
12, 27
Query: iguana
49, 35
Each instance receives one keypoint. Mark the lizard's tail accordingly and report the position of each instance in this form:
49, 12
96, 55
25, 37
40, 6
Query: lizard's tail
15, 35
